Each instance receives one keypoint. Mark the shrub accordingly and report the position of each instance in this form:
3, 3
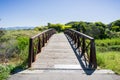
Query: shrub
40, 28
2, 32
22, 42
114, 48
108, 45
101, 49
5, 71
14, 50
58, 27
108, 42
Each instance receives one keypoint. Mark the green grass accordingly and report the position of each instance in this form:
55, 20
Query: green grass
108, 54
109, 60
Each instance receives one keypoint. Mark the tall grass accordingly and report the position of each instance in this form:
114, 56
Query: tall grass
109, 60
14, 51
108, 54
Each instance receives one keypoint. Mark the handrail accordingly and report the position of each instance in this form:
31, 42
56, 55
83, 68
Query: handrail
86, 46
84, 35
37, 42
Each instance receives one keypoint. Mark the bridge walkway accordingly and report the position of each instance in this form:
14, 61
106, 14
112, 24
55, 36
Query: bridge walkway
57, 61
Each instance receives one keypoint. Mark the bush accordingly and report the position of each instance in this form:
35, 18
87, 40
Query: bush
5, 71
101, 49
40, 28
112, 34
114, 48
108, 42
14, 51
108, 45
22, 43
58, 27
2, 32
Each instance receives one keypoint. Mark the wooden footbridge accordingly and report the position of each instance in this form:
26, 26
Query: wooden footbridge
63, 56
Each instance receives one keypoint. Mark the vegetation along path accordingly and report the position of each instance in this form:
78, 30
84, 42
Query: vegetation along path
57, 61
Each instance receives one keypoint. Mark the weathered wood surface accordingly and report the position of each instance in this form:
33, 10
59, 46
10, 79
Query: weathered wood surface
57, 53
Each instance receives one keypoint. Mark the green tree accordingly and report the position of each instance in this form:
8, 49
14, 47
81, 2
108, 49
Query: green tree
115, 26
80, 26
40, 28
58, 27
102, 28
76, 26
2, 32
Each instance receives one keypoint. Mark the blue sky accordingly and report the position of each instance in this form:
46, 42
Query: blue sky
40, 12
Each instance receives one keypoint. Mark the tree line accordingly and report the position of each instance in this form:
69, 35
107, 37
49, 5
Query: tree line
97, 30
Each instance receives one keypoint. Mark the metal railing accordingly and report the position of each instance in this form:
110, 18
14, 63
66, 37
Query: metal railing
37, 42
85, 46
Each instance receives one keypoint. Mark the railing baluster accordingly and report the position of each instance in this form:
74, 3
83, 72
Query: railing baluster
46, 38
78, 41
39, 47
83, 46
43, 42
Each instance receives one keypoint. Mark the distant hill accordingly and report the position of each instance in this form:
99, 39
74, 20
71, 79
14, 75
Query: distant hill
19, 28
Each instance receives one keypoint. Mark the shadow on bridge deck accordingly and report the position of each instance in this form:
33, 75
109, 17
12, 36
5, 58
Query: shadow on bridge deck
80, 58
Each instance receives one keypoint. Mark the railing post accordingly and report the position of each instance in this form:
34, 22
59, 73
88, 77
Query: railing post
75, 39
83, 46
78, 41
30, 52
93, 60
43, 42
48, 35
45, 37
39, 46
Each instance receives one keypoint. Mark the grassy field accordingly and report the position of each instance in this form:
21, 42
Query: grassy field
109, 60
14, 51
108, 54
